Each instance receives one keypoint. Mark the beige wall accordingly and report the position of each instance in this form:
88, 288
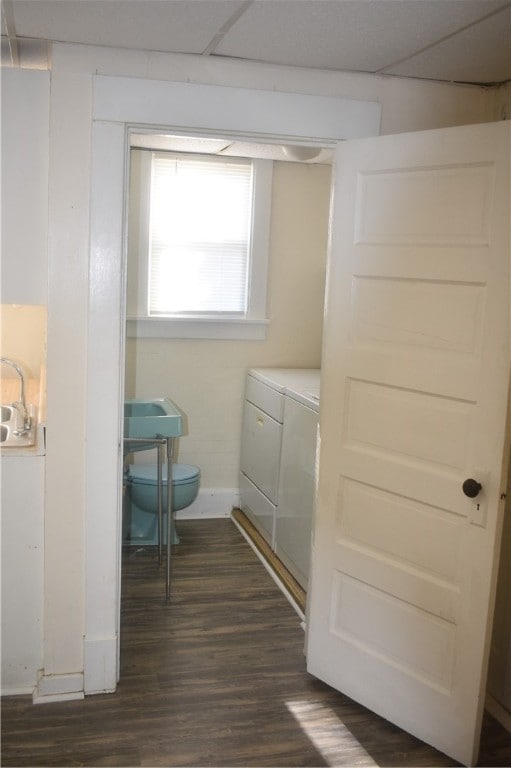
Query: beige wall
23, 338
206, 378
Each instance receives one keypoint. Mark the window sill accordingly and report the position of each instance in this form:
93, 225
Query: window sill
166, 328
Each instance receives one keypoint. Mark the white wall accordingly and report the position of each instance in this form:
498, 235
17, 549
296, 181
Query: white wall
407, 105
68, 257
24, 185
25, 125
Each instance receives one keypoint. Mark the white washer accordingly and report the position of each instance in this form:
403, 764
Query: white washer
261, 442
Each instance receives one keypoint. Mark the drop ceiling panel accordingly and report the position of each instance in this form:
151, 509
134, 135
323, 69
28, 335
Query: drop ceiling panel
459, 40
480, 54
153, 25
346, 34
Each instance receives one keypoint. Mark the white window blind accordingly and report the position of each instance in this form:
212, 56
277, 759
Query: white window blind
199, 235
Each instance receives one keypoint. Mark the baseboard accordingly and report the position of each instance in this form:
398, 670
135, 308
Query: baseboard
499, 712
22, 690
211, 502
51, 688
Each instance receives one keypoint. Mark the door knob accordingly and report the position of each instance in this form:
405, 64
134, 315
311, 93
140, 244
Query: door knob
471, 488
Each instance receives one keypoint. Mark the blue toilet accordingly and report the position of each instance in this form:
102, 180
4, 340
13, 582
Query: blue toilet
140, 518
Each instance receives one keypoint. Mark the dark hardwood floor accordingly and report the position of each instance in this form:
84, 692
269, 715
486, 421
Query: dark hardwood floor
214, 678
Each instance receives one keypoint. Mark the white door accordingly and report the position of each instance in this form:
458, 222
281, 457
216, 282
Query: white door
413, 402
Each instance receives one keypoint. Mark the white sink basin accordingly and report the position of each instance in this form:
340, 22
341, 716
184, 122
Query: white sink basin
9, 424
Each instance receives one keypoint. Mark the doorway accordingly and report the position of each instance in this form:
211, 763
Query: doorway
118, 104
202, 366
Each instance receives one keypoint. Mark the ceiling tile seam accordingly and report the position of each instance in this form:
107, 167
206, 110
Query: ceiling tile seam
383, 70
8, 17
231, 21
369, 73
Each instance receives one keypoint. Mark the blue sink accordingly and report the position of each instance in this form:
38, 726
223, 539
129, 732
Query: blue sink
158, 417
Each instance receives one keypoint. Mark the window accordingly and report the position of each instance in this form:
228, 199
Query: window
199, 235
202, 246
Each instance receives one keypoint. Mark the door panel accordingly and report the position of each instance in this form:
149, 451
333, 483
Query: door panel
415, 374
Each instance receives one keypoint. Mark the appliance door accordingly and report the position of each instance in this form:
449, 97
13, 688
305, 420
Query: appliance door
260, 450
296, 489
260, 454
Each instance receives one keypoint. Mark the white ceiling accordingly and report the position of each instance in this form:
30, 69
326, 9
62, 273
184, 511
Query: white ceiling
465, 41
295, 153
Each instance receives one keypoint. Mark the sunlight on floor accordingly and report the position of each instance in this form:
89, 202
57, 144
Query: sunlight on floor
333, 740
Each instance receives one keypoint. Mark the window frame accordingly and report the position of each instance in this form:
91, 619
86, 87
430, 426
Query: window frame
250, 326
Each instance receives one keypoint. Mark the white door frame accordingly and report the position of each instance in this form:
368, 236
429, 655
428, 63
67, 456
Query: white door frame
121, 102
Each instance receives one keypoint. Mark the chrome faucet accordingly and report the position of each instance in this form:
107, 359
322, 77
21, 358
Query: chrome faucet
23, 420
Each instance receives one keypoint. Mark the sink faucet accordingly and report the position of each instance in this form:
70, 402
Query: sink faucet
23, 420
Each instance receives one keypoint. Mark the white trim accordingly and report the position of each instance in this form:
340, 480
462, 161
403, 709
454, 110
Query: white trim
138, 262
165, 328
53, 698
99, 654
52, 688
260, 243
105, 359
217, 107
24, 690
